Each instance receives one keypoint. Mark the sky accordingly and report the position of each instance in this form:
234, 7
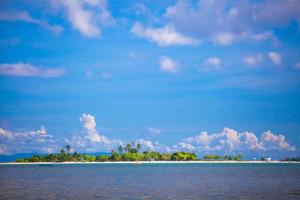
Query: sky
207, 76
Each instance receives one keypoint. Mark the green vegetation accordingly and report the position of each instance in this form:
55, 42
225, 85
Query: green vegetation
183, 156
130, 152
294, 159
213, 157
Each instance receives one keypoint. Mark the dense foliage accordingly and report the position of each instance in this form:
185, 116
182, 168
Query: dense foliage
226, 157
295, 159
130, 152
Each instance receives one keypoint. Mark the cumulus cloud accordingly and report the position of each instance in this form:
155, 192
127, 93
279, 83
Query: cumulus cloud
225, 22
24, 16
169, 65
253, 60
275, 142
148, 145
91, 140
182, 146
27, 142
230, 141
40, 141
212, 63
26, 69
89, 123
87, 15
275, 57
164, 36
154, 131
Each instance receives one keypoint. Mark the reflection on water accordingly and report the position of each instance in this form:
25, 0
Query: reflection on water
150, 181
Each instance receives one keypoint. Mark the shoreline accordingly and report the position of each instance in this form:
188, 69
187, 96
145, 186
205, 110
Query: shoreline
150, 162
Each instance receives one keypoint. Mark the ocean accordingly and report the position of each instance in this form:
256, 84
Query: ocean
151, 181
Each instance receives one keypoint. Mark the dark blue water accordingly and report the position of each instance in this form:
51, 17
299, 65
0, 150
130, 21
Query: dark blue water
151, 181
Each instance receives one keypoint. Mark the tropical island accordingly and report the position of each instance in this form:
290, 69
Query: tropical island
131, 152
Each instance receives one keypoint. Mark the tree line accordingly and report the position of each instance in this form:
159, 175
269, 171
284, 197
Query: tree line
130, 152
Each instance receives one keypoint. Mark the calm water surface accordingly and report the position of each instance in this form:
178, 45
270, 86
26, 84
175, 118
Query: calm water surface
151, 181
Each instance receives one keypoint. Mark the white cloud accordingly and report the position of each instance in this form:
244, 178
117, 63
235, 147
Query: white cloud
212, 63
27, 142
152, 146
250, 141
169, 65
154, 131
227, 38
164, 36
263, 36
182, 146
224, 38
253, 60
146, 144
275, 57
225, 22
87, 15
275, 142
89, 123
26, 69
286, 11
5, 134
229, 140
25, 17
91, 140
40, 141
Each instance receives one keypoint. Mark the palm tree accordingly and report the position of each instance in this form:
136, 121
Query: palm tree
68, 148
62, 151
128, 147
138, 147
120, 149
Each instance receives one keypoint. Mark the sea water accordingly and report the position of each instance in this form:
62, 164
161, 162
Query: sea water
150, 181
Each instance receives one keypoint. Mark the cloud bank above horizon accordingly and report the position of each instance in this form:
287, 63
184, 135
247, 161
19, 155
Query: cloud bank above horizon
227, 142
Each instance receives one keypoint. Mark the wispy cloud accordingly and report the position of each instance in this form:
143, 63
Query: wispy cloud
163, 36
212, 63
24, 16
225, 22
26, 69
253, 60
27, 142
87, 16
154, 131
225, 38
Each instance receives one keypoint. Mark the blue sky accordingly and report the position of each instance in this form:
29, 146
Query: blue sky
201, 76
